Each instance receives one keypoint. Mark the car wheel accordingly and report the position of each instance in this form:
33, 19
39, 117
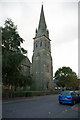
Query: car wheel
74, 102
60, 102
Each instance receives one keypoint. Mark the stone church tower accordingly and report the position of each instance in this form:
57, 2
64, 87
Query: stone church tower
42, 68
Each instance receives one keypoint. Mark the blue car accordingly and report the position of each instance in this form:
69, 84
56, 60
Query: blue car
70, 97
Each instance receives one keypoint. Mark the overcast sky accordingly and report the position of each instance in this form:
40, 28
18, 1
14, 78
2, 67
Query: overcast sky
62, 23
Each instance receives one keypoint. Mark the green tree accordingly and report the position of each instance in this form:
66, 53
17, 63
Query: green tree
11, 40
27, 81
12, 54
66, 77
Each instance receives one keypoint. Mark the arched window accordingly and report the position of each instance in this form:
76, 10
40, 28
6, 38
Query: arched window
40, 44
45, 44
47, 69
36, 45
48, 46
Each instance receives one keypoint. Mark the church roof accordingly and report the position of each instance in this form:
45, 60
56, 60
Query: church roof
42, 27
26, 61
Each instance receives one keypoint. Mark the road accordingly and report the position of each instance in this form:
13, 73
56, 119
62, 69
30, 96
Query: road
39, 107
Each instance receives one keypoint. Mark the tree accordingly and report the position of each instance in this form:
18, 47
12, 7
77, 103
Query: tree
66, 77
11, 40
11, 67
12, 54
27, 81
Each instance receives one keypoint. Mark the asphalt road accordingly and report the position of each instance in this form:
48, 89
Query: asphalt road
39, 107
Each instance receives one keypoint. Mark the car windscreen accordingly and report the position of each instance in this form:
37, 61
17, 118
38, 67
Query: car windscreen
65, 93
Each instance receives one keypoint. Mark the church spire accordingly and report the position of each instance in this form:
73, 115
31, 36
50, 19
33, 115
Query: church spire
42, 28
42, 23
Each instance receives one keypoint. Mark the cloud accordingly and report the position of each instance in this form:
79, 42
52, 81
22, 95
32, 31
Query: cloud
65, 54
62, 22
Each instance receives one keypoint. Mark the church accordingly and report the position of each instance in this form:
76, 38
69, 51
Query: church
42, 68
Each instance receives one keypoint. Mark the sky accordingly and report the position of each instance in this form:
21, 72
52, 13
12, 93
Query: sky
62, 22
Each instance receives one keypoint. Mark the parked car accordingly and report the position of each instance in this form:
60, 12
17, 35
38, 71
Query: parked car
70, 97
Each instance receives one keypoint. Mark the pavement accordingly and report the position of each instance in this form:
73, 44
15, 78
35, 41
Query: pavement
76, 107
9, 100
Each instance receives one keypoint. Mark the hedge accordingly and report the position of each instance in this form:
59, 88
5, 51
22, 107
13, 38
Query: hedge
27, 94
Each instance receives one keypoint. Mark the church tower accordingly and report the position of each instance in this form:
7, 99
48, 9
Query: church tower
41, 60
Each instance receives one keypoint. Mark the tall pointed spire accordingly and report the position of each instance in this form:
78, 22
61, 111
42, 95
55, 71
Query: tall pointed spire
42, 23
42, 28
